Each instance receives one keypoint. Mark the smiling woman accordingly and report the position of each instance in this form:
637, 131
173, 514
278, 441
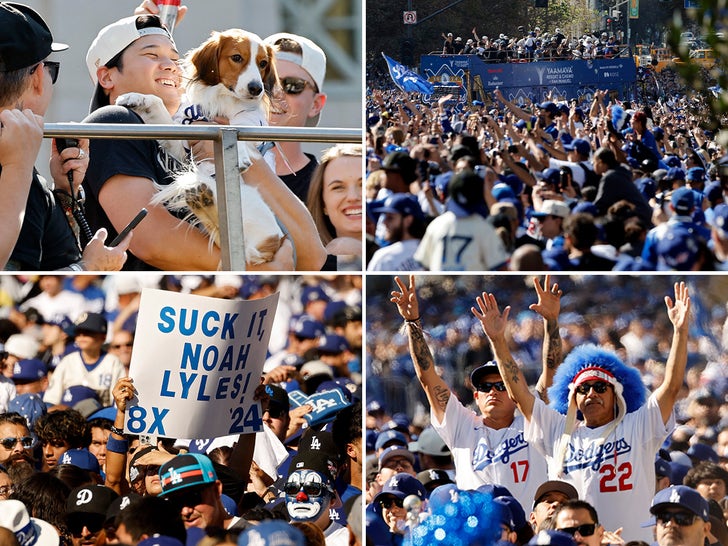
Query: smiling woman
335, 199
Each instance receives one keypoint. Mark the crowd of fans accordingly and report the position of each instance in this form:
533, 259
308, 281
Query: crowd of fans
591, 183
69, 472
411, 451
534, 45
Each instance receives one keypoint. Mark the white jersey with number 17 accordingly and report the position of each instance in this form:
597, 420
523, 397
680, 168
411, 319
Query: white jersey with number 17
483, 455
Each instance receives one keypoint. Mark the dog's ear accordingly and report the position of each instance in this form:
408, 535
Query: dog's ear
270, 75
205, 60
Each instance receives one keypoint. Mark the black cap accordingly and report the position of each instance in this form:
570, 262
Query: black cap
402, 163
90, 499
466, 189
490, 367
278, 396
315, 460
25, 38
91, 322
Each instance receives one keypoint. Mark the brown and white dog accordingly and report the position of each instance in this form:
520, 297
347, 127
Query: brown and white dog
230, 75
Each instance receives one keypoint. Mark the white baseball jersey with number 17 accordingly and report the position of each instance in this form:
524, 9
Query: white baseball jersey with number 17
616, 476
483, 455
470, 243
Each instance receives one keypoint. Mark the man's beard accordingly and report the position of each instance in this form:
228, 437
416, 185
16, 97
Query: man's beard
19, 459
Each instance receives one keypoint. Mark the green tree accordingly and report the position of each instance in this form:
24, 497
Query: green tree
711, 18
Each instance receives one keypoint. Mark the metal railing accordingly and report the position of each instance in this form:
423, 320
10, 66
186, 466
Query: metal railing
225, 139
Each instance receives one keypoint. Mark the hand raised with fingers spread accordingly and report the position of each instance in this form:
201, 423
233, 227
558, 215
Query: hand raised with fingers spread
406, 299
549, 298
679, 311
491, 319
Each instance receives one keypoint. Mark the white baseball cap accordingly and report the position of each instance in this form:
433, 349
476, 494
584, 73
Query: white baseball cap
115, 38
552, 207
312, 58
29, 531
23, 346
112, 40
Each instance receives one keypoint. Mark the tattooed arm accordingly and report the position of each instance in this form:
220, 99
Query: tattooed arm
548, 306
436, 390
494, 325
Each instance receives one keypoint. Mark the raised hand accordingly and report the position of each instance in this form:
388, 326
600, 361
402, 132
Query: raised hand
549, 298
406, 299
679, 310
490, 317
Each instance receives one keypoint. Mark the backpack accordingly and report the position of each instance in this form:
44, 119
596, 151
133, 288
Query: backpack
591, 179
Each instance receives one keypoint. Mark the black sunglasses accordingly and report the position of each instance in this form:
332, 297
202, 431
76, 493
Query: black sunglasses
388, 502
680, 518
9, 443
276, 412
120, 345
93, 522
191, 499
53, 68
151, 470
486, 386
599, 387
311, 489
295, 86
585, 529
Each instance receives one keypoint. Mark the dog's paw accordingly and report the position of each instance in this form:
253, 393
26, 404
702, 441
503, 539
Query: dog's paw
245, 158
140, 103
200, 197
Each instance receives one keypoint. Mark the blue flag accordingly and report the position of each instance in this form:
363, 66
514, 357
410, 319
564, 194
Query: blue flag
406, 79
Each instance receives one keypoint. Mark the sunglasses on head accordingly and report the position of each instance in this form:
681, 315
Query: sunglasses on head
585, 529
599, 387
486, 386
311, 489
9, 443
680, 518
388, 502
295, 86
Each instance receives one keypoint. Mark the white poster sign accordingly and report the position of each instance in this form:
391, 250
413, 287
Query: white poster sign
196, 363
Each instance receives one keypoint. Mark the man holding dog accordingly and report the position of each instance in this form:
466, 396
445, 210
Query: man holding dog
301, 68
137, 54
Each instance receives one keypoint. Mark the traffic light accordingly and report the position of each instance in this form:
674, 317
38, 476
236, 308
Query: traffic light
609, 23
542, 3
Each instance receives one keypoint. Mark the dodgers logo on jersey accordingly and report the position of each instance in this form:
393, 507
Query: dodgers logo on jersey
483, 456
594, 455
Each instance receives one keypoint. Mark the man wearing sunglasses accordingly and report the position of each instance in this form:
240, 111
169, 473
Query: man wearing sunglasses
190, 483
487, 448
86, 508
310, 494
681, 517
301, 68
35, 234
389, 504
579, 519
16, 444
599, 433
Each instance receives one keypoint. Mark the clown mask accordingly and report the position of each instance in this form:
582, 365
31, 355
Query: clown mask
308, 495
